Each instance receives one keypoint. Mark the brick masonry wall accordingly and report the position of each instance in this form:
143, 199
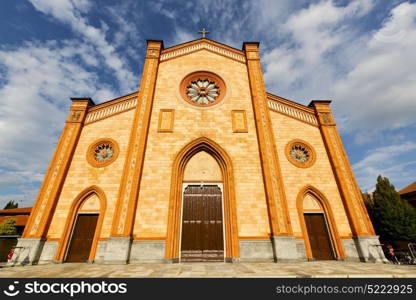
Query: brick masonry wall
82, 175
191, 123
319, 175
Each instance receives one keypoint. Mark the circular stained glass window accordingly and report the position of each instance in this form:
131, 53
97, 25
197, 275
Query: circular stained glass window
202, 88
102, 152
300, 153
203, 91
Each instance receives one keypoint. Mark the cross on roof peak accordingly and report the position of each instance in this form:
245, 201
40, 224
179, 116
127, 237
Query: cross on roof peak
203, 32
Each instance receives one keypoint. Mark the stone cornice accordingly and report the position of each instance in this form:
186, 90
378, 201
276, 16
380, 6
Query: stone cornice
292, 109
128, 102
200, 44
111, 108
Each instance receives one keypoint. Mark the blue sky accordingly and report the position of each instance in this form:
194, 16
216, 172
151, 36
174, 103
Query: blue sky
358, 53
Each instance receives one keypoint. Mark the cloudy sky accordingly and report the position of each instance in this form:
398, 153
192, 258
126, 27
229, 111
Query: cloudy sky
359, 53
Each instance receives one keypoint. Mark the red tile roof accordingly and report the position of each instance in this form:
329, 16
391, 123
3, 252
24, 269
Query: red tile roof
16, 211
408, 189
21, 220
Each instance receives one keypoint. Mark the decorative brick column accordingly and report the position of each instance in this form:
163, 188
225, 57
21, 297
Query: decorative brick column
284, 242
118, 245
367, 245
30, 246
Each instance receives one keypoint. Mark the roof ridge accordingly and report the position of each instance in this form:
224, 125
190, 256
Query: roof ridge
184, 44
299, 105
108, 102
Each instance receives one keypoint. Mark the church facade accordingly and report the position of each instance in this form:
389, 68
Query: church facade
201, 164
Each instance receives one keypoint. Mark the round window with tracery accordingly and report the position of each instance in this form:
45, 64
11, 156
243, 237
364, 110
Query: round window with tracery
300, 153
202, 88
102, 152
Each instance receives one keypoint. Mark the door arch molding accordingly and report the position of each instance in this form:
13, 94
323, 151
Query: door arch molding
333, 231
175, 200
72, 215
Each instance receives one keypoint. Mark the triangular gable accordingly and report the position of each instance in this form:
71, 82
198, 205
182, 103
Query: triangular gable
200, 44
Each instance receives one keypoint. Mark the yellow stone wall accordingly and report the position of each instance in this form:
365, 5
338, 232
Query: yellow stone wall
319, 175
91, 204
191, 123
311, 203
82, 175
202, 167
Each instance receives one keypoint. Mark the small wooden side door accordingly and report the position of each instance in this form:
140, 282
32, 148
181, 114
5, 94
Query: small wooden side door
319, 238
82, 237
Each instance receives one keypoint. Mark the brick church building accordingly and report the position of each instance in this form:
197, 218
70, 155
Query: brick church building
200, 164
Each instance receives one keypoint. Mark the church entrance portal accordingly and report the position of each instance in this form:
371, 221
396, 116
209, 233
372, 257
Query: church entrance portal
202, 223
319, 238
82, 237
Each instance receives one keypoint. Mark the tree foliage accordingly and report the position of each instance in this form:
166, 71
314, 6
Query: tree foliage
11, 204
393, 218
8, 227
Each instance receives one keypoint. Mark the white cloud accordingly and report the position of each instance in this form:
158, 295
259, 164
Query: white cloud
379, 91
391, 161
301, 67
37, 82
182, 36
38, 78
70, 12
370, 76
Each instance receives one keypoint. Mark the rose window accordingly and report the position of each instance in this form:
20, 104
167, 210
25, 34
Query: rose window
300, 153
103, 152
203, 91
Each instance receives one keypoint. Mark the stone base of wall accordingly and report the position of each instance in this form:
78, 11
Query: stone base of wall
117, 250
147, 251
350, 249
256, 250
300, 246
287, 248
100, 254
48, 252
280, 249
369, 249
27, 251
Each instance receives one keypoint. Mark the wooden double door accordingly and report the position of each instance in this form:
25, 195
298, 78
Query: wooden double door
319, 237
82, 238
202, 224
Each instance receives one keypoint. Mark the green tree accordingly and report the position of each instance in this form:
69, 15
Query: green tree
8, 227
392, 217
11, 204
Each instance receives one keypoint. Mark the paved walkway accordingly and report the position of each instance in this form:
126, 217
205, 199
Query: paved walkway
302, 269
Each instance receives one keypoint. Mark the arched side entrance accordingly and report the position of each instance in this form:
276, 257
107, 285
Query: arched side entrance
318, 225
83, 227
176, 196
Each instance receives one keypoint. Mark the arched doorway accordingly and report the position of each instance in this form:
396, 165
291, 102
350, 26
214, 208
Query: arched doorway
202, 232
203, 147
83, 227
320, 234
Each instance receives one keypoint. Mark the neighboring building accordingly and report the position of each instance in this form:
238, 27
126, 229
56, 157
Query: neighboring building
21, 215
7, 242
409, 193
200, 164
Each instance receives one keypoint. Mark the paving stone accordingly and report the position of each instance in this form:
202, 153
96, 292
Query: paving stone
218, 270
